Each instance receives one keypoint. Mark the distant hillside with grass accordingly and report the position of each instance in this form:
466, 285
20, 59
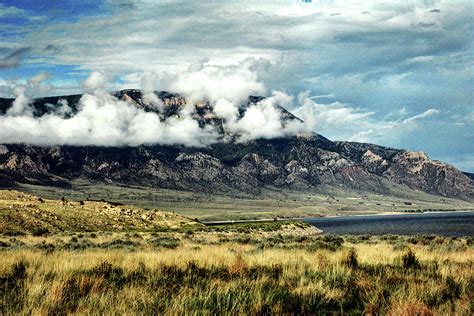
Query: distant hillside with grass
24, 213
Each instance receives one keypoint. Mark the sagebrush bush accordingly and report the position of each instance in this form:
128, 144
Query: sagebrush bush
40, 231
409, 260
350, 259
164, 242
13, 288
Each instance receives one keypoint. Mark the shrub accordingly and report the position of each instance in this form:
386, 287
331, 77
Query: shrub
164, 242
389, 237
409, 260
350, 260
239, 266
400, 245
119, 243
14, 233
12, 288
40, 231
451, 290
46, 247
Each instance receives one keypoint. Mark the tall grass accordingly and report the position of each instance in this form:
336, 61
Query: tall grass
185, 275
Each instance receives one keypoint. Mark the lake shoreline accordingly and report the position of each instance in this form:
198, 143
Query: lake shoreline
279, 219
452, 224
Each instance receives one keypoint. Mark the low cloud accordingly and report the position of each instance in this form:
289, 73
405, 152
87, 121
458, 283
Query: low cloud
202, 81
102, 119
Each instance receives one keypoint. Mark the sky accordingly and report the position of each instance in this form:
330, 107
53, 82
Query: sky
394, 73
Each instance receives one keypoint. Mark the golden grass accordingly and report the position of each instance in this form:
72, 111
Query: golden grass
238, 278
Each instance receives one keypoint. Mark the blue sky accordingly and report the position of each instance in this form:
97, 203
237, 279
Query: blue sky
395, 73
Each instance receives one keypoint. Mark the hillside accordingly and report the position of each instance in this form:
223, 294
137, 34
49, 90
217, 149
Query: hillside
24, 213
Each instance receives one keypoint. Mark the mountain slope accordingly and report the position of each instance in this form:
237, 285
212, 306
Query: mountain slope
302, 162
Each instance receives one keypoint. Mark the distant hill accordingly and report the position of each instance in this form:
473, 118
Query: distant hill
26, 213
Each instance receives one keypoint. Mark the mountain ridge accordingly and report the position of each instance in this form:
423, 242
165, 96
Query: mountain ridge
302, 162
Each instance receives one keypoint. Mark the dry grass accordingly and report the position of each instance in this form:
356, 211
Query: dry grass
20, 212
205, 276
168, 264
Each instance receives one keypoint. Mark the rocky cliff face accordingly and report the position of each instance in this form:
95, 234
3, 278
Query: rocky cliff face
303, 162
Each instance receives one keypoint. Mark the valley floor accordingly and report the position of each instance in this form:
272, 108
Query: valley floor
269, 203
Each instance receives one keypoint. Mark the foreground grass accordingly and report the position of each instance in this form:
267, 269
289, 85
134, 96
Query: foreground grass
235, 271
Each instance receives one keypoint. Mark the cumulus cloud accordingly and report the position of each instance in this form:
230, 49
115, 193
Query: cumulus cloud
265, 119
96, 80
20, 105
261, 120
212, 82
226, 110
101, 120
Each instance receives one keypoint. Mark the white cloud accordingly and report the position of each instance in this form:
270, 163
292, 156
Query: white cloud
427, 113
210, 82
11, 12
96, 80
104, 120
226, 110
100, 120
20, 105
344, 122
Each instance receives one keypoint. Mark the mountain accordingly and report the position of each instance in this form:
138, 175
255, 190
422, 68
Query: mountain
303, 162
469, 174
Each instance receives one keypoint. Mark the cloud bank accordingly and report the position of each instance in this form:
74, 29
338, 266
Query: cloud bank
102, 119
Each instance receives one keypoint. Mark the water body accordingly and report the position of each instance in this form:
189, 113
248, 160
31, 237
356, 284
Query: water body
455, 224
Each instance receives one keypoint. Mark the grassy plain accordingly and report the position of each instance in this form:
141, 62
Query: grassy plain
65, 263
233, 271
